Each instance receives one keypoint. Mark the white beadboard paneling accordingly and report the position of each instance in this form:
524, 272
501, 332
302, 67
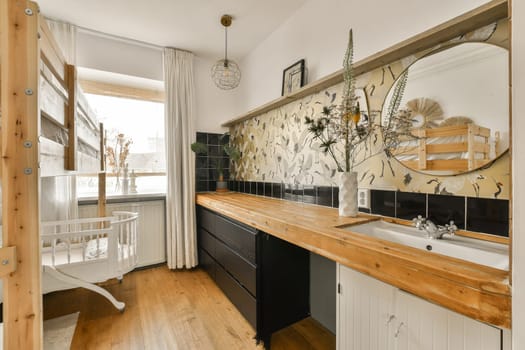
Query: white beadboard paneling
363, 310
151, 247
365, 305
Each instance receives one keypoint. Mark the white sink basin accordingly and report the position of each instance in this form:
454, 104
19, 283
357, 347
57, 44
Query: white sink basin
477, 251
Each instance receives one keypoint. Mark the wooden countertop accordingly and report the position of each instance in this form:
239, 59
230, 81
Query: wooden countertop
477, 291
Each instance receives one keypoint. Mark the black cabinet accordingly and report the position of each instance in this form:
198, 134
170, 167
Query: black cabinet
266, 278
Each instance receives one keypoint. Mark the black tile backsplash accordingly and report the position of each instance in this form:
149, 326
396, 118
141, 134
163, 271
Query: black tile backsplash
383, 202
206, 174
409, 205
443, 209
488, 215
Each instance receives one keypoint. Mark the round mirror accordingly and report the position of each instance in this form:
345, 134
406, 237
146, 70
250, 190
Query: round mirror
458, 103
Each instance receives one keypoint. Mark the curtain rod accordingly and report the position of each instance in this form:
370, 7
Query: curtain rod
117, 37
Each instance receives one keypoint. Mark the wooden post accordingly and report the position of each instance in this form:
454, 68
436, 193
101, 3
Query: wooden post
71, 150
422, 149
102, 174
20, 173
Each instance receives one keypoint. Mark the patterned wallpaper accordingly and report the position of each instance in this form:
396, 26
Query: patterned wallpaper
277, 147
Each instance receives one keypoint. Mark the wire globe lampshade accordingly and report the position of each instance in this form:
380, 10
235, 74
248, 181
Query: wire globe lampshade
226, 74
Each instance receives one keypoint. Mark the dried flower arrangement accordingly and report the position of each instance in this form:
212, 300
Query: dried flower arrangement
344, 126
117, 154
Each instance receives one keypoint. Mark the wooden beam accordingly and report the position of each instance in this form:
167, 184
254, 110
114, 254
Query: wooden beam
71, 120
115, 90
8, 261
19, 45
101, 194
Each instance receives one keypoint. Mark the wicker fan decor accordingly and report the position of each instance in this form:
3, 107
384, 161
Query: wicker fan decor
456, 121
425, 112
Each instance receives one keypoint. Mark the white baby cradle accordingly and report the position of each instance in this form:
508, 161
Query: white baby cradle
81, 252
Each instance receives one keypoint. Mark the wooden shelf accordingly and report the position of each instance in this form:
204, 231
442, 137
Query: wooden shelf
474, 19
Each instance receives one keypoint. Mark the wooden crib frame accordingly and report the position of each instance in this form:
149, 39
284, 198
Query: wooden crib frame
476, 142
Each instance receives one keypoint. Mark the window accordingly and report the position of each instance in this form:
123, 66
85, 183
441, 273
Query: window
137, 125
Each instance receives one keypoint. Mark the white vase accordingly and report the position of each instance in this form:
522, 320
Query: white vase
348, 194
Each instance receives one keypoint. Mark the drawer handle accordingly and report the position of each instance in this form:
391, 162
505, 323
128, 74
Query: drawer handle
396, 334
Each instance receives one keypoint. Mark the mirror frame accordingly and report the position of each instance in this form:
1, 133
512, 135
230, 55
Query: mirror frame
494, 39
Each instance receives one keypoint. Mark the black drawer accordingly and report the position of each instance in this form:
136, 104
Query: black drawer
207, 241
240, 238
206, 219
207, 263
245, 303
238, 267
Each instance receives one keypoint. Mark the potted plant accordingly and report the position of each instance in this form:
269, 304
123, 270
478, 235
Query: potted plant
346, 136
233, 153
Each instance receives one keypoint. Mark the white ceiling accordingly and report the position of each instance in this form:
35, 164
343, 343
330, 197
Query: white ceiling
186, 24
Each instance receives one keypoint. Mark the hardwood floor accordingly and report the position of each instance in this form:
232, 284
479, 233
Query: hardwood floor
171, 310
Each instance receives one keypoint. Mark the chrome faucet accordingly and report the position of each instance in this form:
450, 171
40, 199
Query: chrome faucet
432, 230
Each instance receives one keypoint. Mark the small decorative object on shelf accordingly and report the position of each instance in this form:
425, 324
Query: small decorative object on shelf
133, 182
232, 152
347, 136
116, 156
293, 78
125, 180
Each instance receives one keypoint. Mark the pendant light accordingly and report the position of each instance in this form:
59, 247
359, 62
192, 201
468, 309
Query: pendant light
225, 73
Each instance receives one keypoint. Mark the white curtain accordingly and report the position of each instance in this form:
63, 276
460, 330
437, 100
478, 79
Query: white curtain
65, 35
180, 197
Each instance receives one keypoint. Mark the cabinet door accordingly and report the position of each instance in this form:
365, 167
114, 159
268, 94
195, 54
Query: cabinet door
421, 325
364, 311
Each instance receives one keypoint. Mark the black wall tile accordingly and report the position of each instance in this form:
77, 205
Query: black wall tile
213, 139
212, 185
201, 186
335, 197
442, 209
383, 202
309, 194
260, 189
409, 205
253, 187
277, 190
324, 196
293, 192
202, 137
267, 189
488, 216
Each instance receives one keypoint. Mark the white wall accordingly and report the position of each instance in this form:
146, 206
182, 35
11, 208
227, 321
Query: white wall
518, 169
110, 54
318, 32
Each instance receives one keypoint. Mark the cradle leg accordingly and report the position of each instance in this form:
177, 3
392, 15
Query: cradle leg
80, 283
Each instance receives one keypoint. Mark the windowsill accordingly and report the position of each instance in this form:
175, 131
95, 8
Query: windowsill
124, 198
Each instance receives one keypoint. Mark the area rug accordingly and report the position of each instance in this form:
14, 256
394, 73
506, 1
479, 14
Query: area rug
58, 332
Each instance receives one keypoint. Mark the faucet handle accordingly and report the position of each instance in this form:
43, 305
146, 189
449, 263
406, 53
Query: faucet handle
419, 222
451, 227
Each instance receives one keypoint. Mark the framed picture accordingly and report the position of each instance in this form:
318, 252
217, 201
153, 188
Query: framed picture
293, 78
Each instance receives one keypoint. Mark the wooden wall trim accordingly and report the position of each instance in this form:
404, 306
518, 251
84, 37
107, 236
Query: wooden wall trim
19, 44
115, 90
483, 15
